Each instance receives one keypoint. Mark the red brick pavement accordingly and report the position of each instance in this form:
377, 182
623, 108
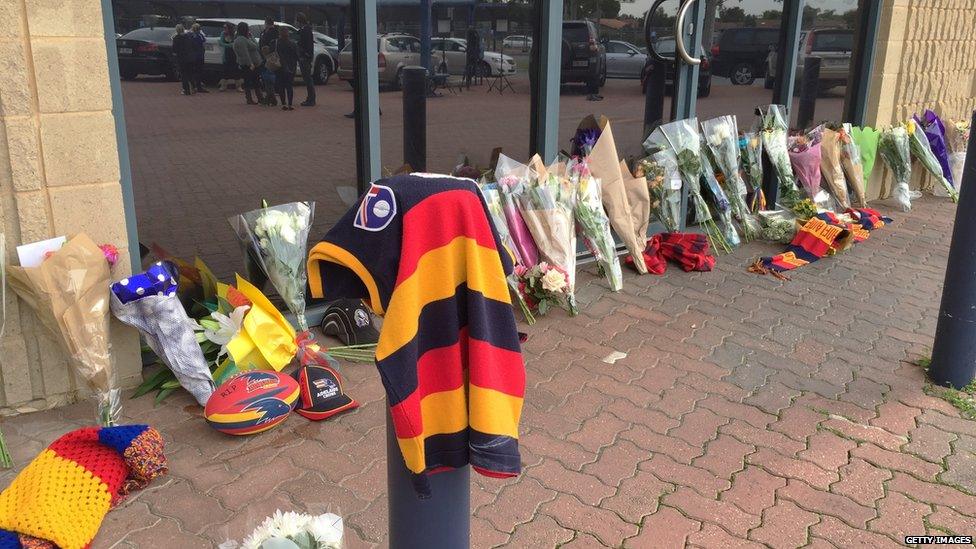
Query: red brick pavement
748, 412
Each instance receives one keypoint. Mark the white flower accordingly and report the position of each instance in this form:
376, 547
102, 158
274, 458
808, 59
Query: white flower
553, 281
264, 243
327, 530
288, 234
258, 536
229, 327
288, 524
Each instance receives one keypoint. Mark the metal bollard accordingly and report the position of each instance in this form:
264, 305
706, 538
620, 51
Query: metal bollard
442, 521
808, 92
954, 350
415, 117
654, 96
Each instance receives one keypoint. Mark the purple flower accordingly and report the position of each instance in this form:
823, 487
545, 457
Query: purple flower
584, 140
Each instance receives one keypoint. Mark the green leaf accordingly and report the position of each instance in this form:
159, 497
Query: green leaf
209, 324
154, 382
161, 395
171, 384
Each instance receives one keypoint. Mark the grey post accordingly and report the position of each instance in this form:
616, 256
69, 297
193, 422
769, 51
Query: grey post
954, 350
807, 107
415, 118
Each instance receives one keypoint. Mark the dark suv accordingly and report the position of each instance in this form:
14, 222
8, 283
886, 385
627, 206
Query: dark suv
584, 56
740, 54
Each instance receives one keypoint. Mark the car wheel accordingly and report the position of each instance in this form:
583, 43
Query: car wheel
603, 80
483, 70
706, 90
742, 74
769, 83
398, 81
128, 75
321, 72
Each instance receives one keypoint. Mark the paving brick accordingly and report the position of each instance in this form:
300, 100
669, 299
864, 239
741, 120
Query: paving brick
703, 509
827, 450
798, 422
784, 525
714, 536
698, 427
753, 490
749, 414
516, 504
947, 520
670, 471
673, 447
899, 516
598, 432
605, 525
570, 454
651, 418
897, 461
929, 443
896, 418
864, 433
554, 476
637, 496
667, 529
826, 503
724, 456
192, 510
783, 466
844, 536
616, 463
761, 438
862, 482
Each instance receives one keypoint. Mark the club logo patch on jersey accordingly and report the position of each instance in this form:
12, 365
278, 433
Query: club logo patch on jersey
377, 209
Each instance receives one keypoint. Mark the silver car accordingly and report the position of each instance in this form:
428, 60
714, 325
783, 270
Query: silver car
452, 53
624, 60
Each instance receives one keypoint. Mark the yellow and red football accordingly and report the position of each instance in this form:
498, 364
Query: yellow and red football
251, 402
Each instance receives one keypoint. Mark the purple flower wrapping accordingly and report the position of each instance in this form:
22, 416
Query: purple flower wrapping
935, 132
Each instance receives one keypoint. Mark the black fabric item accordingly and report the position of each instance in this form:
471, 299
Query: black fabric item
351, 322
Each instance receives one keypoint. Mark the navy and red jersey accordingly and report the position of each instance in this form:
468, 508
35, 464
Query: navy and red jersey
421, 251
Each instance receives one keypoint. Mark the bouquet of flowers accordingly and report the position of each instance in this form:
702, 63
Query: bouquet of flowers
831, 168
593, 223
544, 286
774, 137
69, 293
722, 205
493, 198
664, 184
547, 207
778, 226
805, 158
721, 138
512, 177
680, 139
958, 138
750, 145
291, 530
894, 149
918, 143
935, 132
867, 140
850, 159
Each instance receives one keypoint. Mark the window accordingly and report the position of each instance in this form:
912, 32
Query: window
151, 34
833, 41
575, 32
617, 47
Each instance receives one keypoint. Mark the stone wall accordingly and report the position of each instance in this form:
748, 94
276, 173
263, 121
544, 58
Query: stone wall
926, 59
59, 175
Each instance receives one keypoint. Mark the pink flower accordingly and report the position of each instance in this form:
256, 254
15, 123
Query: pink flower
111, 253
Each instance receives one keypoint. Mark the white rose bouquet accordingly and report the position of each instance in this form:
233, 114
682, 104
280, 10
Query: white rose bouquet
291, 530
278, 235
543, 286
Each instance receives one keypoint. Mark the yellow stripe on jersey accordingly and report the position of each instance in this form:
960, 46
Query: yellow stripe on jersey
439, 272
443, 413
493, 412
326, 251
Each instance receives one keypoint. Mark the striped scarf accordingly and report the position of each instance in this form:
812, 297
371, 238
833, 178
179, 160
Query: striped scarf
688, 250
80, 475
824, 234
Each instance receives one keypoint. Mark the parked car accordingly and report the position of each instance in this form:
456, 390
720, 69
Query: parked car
323, 63
624, 60
740, 54
666, 47
147, 51
517, 42
395, 51
453, 52
833, 46
584, 56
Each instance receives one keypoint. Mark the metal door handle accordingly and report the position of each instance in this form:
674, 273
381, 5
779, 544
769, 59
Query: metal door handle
647, 34
679, 41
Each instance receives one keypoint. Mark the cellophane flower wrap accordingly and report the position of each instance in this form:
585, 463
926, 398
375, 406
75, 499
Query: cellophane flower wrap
512, 177
750, 145
918, 143
935, 132
664, 184
547, 206
805, 159
774, 132
722, 206
496, 208
681, 140
957, 133
831, 167
279, 236
593, 223
850, 158
544, 286
894, 150
722, 139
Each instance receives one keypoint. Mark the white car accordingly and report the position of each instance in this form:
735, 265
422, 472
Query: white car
323, 64
452, 51
517, 42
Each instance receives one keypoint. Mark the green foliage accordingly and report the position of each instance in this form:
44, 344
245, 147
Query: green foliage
963, 399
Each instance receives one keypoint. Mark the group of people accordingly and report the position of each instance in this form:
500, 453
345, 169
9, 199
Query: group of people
266, 67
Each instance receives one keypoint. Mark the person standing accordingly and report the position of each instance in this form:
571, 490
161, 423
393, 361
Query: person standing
285, 76
231, 74
198, 43
267, 40
248, 59
306, 54
181, 51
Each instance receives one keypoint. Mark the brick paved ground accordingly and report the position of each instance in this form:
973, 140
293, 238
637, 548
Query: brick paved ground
198, 160
748, 412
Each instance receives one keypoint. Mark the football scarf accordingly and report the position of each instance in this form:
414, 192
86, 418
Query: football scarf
61, 497
688, 250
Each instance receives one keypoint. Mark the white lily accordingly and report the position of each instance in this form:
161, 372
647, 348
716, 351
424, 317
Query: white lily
230, 326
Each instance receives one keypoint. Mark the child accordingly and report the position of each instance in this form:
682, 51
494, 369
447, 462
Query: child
268, 79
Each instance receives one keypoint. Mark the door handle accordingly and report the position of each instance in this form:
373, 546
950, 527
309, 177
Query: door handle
647, 34
679, 40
